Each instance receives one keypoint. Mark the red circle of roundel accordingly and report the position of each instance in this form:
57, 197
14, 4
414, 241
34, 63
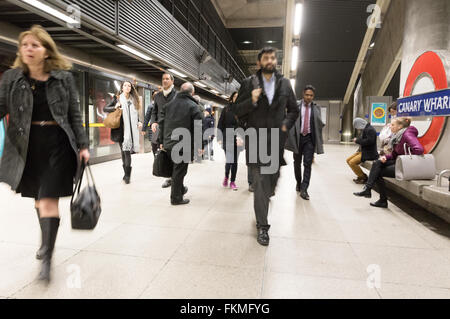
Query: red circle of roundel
431, 64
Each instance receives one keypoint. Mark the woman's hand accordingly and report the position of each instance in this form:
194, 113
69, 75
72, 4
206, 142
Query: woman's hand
84, 153
140, 125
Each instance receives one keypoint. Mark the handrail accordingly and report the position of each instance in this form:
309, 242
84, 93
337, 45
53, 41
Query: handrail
441, 175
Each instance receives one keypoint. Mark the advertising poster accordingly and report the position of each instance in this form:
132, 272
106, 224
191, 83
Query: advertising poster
378, 114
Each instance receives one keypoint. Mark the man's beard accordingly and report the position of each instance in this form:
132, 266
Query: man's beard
268, 70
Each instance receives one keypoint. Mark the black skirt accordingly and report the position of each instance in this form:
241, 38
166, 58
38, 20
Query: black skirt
51, 164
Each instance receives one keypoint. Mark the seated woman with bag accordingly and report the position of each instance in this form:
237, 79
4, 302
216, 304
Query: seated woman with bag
403, 135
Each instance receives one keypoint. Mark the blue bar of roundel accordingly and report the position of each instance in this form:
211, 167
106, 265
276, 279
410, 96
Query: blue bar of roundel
431, 104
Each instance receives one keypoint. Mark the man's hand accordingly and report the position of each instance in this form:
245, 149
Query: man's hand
383, 159
284, 128
154, 127
161, 147
255, 95
84, 154
143, 133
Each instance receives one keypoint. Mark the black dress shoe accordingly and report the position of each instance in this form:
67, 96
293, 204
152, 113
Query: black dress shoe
298, 189
263, 237
251, 189
382, 203
367, 193
185, 190
304, 195
183, 202
167, 183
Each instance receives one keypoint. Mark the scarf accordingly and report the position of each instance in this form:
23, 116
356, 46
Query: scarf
130, 125
396, 138
167, 92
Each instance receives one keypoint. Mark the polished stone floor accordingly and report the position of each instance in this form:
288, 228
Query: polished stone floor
334, 246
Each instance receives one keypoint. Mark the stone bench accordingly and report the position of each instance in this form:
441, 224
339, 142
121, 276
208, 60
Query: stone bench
425, 193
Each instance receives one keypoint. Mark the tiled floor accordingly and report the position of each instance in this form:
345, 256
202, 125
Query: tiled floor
334, 246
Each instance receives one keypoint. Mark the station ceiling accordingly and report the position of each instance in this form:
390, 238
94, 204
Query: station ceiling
331, 37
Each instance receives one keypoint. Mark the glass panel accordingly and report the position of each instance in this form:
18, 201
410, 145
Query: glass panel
101, 93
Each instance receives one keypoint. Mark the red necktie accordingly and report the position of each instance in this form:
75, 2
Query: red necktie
306, 121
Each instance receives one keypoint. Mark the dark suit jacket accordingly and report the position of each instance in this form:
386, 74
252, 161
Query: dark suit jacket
316, 125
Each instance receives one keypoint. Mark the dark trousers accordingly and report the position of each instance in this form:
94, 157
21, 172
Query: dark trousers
249, 176
378, 171
264, 186
306, 155
231, 164
126, 156
178, 174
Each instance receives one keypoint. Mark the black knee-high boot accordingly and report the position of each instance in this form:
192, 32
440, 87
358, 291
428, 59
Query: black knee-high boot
127, 175
49, 231
40, 251
124, 172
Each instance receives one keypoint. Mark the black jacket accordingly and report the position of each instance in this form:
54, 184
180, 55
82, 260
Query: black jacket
282, 111
116, 133
160, 102
180, 113
209, 123
368, 142
16, 99
227, 120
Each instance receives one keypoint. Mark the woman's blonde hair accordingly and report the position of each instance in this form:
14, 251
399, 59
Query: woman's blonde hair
55, 60
404, 122
134, 95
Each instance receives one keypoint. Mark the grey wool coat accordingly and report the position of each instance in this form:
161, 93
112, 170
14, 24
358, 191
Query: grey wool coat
16, 99
292, 143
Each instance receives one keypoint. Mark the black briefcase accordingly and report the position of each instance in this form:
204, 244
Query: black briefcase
162, 166
86, 208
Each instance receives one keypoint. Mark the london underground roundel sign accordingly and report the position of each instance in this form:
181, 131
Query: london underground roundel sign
429, 65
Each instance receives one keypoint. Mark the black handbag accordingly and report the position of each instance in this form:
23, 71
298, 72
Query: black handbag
86, 208
162, 166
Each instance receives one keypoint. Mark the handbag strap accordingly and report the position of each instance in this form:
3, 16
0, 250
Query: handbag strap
409, 149
78, 182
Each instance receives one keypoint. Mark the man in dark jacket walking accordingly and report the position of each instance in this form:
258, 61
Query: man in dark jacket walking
208, 124
180, 114
367, 150
305, 139
266, 102
161, 99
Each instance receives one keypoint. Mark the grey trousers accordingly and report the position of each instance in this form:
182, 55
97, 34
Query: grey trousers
264, 186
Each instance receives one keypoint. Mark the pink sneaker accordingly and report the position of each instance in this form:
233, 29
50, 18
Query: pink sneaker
233, 186
225, 182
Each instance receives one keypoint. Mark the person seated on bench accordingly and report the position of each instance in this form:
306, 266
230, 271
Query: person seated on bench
367, 150
404, 133
386, 132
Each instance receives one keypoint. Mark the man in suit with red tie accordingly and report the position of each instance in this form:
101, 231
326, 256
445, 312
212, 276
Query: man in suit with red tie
305, 139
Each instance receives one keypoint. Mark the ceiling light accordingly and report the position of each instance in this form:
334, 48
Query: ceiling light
294, 58
293, 84
298, 19
225, 97
271, 41
51, 11
372, 45
135, 52
200, 84
177, 73
247, 42
214, 91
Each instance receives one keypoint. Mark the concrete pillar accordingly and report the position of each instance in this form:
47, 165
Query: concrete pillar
427, 28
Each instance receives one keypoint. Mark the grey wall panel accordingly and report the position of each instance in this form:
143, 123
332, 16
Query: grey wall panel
147, 24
